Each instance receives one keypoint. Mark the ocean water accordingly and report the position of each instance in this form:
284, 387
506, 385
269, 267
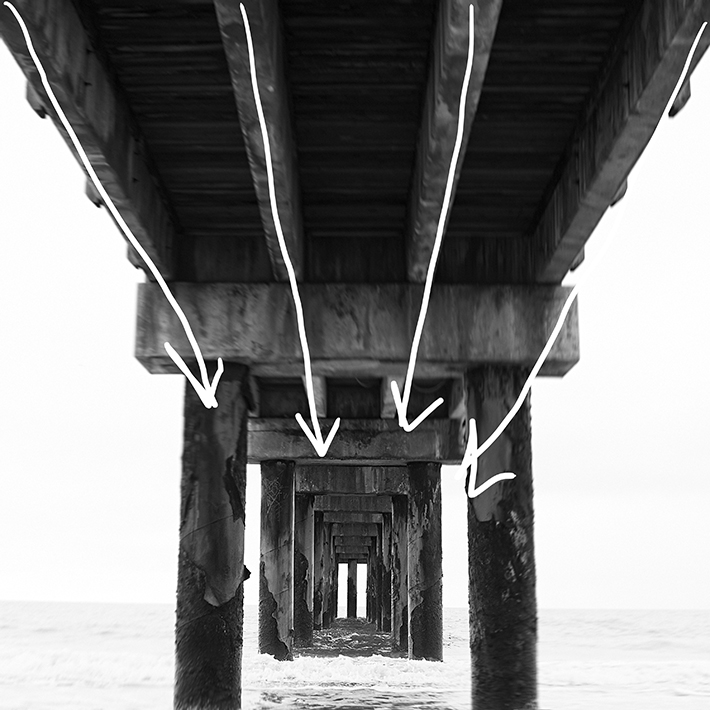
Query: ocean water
108, 656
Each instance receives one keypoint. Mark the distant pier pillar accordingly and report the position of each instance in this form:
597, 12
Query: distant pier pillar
328, 565
502, 604
211, 572
352, 589
400, 562
303, 570
386, 543
319, 568
276, 559
425, 573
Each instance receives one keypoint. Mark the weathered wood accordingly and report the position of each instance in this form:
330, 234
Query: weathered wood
621, 115
349, 517
84, 84
303, 571
360, 540
347, 507
362, 480
276, 559
211, 571
437, 134
319, 569
386, 572
354, 330
501, 557
352, 550
352, 589
400, 562
266, 30
371, 441
359, 529
424, 567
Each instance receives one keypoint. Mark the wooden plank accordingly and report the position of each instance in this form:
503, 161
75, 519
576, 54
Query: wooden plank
350, 480
437, 134
94, 105
374, 442
617, 123
265, 23
356, 329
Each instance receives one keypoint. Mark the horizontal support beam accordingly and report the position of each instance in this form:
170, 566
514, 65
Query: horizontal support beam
360, 480
347, 550
371, 441
437, 134
358, 329
88, 95
342, 505
265, 24
359, 529
344, 559
617, 123
347, 517
362, 541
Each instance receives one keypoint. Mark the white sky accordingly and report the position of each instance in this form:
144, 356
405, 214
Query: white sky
90, 443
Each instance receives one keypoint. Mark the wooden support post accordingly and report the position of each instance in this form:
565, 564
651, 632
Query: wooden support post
352, 589
424, 546
303, 571
377, 553
369, 589
276, 562
400, 562
335, 578
502, 611
386, 572
208, 633
319, 569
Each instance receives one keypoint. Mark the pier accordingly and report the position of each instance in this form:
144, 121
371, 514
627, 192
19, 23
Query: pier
361, 100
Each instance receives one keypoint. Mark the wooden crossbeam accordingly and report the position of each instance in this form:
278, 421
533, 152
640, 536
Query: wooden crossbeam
358, 529
616, 124
361, 330
359, 441
345, 506
265, 22
437, 134
98, 113
352, 518
350, 480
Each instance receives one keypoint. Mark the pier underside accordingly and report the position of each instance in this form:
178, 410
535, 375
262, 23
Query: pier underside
361, 100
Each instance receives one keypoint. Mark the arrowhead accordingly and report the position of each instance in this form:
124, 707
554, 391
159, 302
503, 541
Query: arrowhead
205, 390
401, 408
315, 436
470, 459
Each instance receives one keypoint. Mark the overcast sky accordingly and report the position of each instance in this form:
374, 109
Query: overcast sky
90, 443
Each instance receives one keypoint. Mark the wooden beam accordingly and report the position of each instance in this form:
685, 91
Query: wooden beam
352, 518
375, 442
358, 330
616, 124
102, 120
359, 529
364, 541
344, 506
349, 480
265, 22
437, 133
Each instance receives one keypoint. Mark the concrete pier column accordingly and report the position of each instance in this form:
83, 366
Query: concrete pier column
319, 568
276, 561
303, 571
502, 604
400, 563
424, 545
386, 542
352, 589
211, 572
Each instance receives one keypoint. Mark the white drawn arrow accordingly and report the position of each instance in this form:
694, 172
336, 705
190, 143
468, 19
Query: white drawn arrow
473, 451
315, 436
205, 390
401, 401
